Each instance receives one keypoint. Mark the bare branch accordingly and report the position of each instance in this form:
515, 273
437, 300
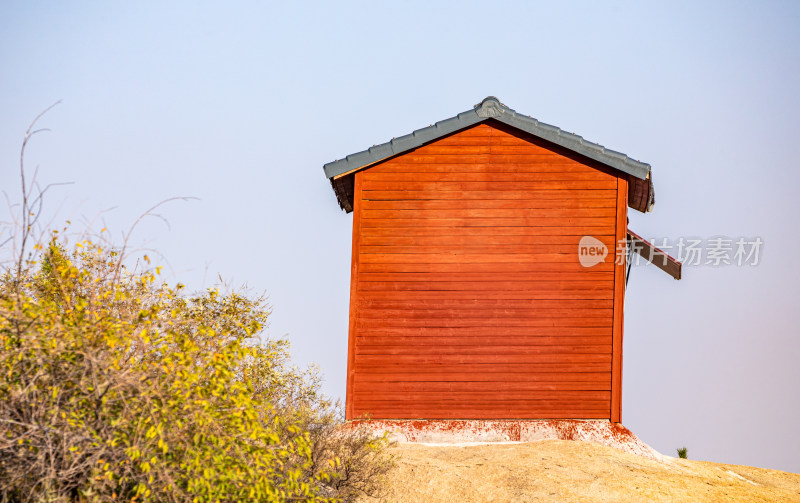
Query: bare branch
32, 197
148, 213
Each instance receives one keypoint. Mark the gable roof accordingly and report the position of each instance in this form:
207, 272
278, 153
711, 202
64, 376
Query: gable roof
489, 108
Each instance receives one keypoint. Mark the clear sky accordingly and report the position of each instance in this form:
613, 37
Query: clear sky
241, 103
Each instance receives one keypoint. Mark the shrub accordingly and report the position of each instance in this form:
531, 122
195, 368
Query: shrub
348, 461
115, 386
683, 452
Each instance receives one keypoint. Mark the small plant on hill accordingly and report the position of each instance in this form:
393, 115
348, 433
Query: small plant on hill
682, 452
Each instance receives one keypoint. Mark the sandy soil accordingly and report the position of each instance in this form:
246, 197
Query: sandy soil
561, 470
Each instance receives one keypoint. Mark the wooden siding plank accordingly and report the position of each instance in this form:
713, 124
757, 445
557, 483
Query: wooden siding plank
515, 213
484, 368
412, 265
489, 186
575, 231
513, 156
443, 258
487, 194
424, 397
512, 204
504, 146
472, 240
367, 312
363, 348
422, 158
507, 402
479, 414
520, 294
570, 249
398, 165
496, 177
472, 337
519, 403
481, 139
487, 277
514, 295
371, 323
481, 410
457, 386
394, 223
471, 286
496, 377
501, 332
480, 304
368, 360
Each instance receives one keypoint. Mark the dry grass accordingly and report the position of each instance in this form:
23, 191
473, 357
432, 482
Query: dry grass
558, 470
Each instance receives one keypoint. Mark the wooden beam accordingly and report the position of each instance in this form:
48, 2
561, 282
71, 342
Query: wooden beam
655, 256
619, 301
351, 341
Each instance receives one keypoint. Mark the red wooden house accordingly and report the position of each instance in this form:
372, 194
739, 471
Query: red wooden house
480, 288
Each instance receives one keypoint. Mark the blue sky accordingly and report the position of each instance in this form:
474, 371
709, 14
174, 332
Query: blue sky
240, 104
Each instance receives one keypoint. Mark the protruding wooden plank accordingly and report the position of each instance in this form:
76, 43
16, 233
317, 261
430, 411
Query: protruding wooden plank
654, 255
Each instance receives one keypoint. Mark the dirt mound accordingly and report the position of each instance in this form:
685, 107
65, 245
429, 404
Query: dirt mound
562, 470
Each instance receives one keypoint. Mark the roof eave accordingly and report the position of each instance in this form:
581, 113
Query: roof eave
401, 144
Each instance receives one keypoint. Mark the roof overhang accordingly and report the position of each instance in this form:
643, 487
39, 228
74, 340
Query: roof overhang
491, 109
